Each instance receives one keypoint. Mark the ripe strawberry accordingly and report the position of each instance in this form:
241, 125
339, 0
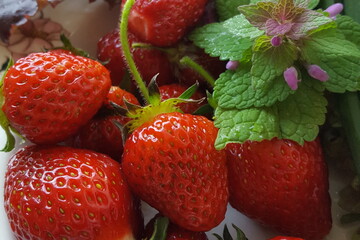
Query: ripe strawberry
171, 163
49, 96
175, 90
149, 61
164, 22
173, 232
100, 133
65, 193
281, 184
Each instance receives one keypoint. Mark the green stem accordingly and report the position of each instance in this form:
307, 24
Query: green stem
187, 61
126, 50
349, 108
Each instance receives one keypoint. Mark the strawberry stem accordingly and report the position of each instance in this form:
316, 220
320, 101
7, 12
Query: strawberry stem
124, 19
149, 46
187, 61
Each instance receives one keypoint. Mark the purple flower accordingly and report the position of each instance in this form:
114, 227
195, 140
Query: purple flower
276, 41
335, 9
291, 77
232, 65
317, 72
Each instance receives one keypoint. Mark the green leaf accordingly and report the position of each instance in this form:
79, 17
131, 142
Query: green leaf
238, 126
241, 27
256, 1
310, 4
258, 14
228, 8
302, 113
270, 62
233, 90
217, 41
339, 57
350, 28
160, 228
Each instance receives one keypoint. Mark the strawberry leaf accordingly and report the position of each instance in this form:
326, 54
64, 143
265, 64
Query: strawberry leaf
217, 41
270, 62
339, 57
350, 28
233, 90
228, 8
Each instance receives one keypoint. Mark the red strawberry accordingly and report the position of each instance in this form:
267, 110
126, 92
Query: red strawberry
149, 61
49, 96
66, 193
175, 90
171, 163
281, 184
164, 22
100, 133
173, 232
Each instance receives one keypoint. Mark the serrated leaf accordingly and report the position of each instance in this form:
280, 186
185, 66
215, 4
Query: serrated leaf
310, 21
253, 124
258, 14
350, 28
339, 57
270, 62
228, 8
302, 113
233, 90
217, 41
241, 27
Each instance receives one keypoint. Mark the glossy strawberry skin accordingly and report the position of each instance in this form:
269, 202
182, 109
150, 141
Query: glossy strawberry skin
281, 184
149, 61
100, 134
171, 163
175, 90
66, 193
49, 96
164, 22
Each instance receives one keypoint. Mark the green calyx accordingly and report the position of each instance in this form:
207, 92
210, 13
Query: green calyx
10, 139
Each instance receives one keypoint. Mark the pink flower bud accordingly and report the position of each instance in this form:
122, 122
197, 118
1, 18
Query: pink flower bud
232, 65
335, 9
291, 77
317, 72
276, 41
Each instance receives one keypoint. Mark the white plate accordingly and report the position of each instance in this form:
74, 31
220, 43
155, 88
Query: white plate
86, 23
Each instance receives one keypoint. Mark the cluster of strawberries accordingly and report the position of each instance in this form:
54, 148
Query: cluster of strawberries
91, 188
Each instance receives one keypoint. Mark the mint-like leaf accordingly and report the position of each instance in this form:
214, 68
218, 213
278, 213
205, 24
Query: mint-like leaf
302, 113
350, 28
249, 124
339, 57
228, 8
233, 90
217, 41
310, 4
270, 62
258, 14
241, 27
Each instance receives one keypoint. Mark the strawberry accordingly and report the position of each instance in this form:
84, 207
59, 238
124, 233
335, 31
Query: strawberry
49, 96
171, 163
277, 182
149, 61
173, 232
175, 90
100, 133
58, 192
164, 22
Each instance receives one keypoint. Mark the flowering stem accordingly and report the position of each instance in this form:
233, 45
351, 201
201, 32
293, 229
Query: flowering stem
187, 61
126, 50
